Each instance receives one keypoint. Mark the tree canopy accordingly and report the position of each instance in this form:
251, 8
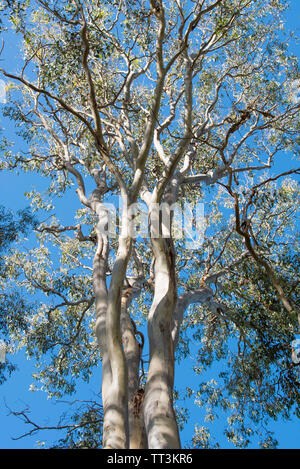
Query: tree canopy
182, 116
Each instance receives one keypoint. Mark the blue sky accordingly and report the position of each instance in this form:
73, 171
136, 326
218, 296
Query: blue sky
15, 392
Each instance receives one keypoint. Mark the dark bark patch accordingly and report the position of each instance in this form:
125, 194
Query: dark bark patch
138, 400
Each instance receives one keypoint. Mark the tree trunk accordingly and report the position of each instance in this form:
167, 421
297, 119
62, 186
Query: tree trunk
160, 421
108, 329
117, 412
100, 291
133, 350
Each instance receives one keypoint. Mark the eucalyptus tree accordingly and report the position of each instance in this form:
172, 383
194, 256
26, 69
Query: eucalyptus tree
161, 105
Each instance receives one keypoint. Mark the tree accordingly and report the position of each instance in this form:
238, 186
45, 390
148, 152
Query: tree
162, 105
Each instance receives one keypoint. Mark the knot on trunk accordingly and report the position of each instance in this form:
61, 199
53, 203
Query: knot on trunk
138, 401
